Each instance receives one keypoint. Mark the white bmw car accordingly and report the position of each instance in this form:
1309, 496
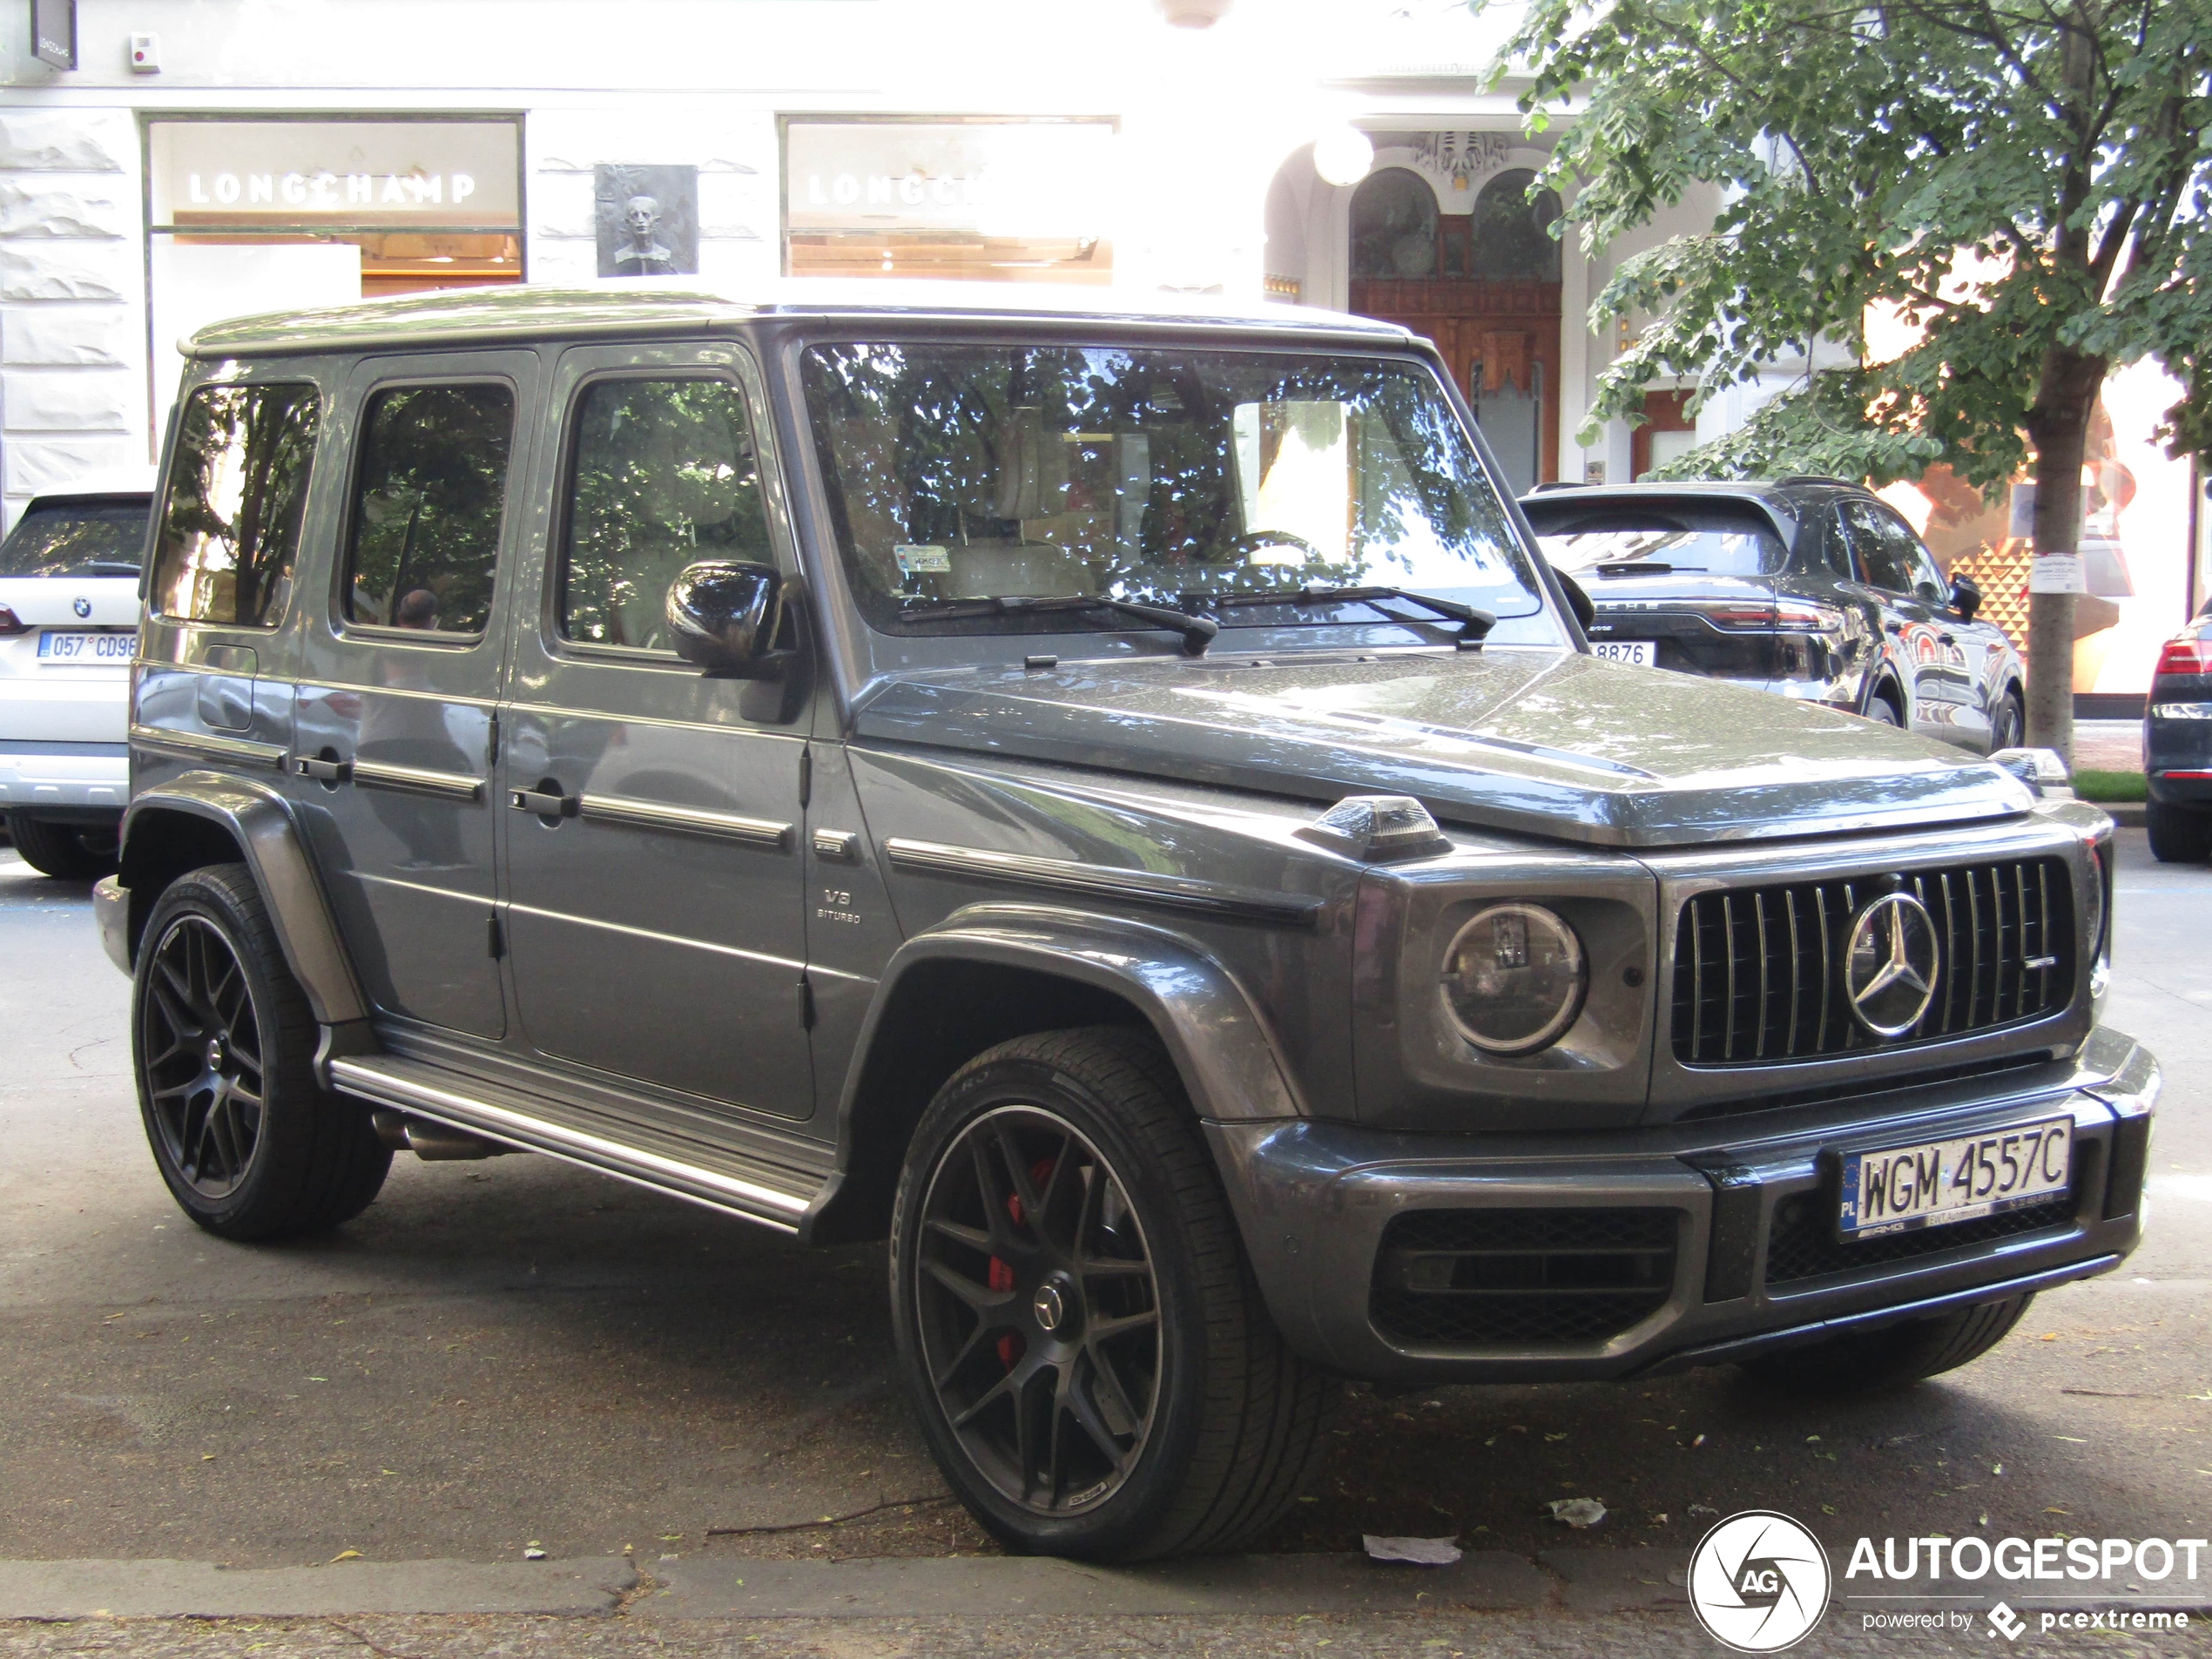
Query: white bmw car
68, 624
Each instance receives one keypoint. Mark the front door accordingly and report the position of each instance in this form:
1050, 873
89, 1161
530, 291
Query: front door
1925, 635
393, 757
653, 815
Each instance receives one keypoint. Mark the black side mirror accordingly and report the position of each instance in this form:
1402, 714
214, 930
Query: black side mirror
724, 615
1966, 595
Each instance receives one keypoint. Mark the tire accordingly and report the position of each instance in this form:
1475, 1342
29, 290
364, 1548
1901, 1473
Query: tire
1882, 708
223, 1045
2179, 834
1891, 1358
1188, 1429
66, 852
2009, 729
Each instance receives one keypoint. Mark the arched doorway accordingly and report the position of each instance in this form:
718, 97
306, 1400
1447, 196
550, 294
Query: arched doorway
1485, 287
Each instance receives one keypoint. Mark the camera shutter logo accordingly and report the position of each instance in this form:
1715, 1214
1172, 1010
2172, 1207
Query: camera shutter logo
1890, 959
1758, 1582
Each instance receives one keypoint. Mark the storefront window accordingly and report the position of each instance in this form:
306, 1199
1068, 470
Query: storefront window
1017, 201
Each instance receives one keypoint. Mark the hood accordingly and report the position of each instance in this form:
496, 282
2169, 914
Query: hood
1545, 743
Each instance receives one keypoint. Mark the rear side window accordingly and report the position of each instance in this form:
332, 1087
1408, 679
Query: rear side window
428, 498
663, 478
1705, 543
1889, 552
238, 486
77, 538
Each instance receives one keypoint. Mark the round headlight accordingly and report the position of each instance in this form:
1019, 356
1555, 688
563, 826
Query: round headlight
1513, 978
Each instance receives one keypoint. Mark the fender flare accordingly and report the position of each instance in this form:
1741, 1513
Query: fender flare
1225, 1051
261, 821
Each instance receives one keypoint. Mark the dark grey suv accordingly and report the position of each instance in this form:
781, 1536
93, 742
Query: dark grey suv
1110, 803
1810, 588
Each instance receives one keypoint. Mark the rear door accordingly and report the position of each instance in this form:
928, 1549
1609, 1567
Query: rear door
399, 685
653, 815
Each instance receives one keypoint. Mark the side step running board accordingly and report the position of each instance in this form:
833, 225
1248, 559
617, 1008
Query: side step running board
385, 1081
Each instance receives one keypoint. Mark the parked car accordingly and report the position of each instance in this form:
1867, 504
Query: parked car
68, 616
2178, 746
1111, 802
1810, 588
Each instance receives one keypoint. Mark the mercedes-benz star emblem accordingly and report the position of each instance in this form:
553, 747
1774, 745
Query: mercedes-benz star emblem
1889, 964
1047, 1306
81, 605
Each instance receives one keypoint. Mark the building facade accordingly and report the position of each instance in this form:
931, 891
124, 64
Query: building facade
240, 155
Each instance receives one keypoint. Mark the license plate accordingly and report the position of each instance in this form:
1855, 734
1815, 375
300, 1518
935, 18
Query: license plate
1904, 1188
1641, 652
86, 645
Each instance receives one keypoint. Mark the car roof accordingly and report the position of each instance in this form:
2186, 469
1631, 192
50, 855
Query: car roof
1754, 490
651, 305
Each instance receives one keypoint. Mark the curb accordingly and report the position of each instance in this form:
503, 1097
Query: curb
732, 1588
162, 1590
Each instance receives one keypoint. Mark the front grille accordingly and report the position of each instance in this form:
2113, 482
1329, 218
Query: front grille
1521, 1277
1759, 971
1802, 1243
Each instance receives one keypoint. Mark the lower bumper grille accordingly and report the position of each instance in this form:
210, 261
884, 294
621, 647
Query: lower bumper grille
1521, 1277
1759, 973
1803, 1245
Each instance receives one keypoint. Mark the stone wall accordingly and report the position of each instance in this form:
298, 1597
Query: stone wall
72, 292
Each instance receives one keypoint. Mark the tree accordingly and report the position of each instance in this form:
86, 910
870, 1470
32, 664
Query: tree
2028, 181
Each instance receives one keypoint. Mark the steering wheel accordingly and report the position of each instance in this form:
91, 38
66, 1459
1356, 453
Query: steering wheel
1252, 540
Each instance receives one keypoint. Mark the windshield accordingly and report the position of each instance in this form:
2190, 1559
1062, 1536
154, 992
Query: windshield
970, 472
1714, 546
77, 539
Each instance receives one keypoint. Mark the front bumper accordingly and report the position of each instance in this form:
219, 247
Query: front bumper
111, 916
1314, 1201
81, 781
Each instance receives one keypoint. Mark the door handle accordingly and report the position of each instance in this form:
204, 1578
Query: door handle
545, 804
327, 771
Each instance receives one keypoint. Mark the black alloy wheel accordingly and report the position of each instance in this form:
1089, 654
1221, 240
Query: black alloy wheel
1039, 1310
2009, 729
202, 1046
1079, 1330
223, 1041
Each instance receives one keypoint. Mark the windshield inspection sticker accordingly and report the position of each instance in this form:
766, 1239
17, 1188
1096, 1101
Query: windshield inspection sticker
922, 558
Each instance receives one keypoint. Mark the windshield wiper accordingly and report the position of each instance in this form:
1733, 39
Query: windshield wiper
1474, 623
1643, 567
1197, 632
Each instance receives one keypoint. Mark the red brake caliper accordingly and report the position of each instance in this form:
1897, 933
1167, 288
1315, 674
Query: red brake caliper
1001, 1273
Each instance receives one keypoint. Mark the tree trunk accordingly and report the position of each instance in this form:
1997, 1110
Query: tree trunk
2059, 427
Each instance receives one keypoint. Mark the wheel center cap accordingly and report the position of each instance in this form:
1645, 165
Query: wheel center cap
215, 1055
1049, 1307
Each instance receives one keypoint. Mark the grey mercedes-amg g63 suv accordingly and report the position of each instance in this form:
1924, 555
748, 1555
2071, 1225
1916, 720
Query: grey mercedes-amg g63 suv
1111, 802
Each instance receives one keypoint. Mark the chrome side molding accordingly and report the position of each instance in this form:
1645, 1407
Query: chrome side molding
1107, 881
688, 820
417, 780
205, 745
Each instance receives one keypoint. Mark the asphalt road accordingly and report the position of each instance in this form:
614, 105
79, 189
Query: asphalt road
515, 1352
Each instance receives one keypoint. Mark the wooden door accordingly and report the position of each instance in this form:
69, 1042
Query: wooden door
1508, 331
